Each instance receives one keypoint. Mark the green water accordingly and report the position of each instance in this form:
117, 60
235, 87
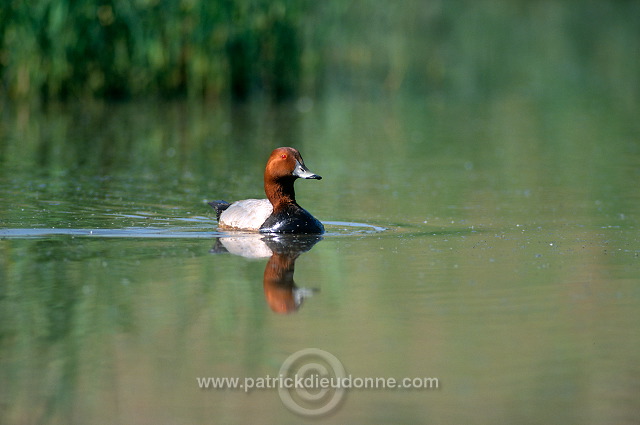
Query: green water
507, 268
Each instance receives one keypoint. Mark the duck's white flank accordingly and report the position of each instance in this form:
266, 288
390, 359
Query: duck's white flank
248, 214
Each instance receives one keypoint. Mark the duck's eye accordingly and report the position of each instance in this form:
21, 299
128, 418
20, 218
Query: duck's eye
283, 156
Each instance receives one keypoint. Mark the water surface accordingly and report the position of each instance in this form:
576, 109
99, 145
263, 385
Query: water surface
499, 254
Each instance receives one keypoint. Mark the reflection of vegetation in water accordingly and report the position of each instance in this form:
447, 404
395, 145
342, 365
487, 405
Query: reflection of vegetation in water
66, 309
119, 48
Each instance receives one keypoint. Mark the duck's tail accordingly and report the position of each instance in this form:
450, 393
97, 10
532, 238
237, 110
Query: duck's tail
219, 206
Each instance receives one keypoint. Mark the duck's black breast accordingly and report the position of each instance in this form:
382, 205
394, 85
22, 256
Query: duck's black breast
292, 219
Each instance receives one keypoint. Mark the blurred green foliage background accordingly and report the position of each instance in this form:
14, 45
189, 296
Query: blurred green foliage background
120, 49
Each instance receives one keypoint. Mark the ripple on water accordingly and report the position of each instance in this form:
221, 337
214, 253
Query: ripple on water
203, 230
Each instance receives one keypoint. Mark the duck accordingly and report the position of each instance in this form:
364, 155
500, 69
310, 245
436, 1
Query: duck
279, 213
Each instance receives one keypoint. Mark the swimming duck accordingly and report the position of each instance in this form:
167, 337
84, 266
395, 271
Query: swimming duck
279, 213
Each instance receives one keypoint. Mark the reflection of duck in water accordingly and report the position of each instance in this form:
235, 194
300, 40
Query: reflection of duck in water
280, 291
279, 213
